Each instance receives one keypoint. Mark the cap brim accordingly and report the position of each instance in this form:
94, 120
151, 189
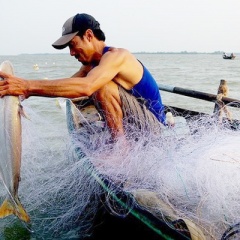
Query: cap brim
63, 41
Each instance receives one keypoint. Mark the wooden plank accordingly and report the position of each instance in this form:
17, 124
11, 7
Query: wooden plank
220, 108
199, 95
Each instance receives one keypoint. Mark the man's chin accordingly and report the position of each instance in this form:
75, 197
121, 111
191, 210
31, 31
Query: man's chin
81, 61
84, 63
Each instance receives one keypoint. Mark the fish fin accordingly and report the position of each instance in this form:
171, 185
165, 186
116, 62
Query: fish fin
6, 209
22, 112
17, 209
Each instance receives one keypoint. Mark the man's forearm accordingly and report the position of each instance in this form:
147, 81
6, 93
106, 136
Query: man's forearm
68, 87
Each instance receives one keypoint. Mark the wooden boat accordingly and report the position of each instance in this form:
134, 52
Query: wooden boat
219, 103
231, 56
139, 223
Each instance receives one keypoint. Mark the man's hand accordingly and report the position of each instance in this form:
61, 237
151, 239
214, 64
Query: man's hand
11, 85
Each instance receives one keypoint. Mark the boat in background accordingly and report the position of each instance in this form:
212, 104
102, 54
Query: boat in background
231, 56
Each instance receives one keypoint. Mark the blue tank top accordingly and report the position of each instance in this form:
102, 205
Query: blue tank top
147, 89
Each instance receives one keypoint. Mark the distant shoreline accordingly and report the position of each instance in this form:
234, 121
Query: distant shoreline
142, 52
183, 52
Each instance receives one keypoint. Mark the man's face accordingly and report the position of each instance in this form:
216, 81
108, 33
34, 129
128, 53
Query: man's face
80, 49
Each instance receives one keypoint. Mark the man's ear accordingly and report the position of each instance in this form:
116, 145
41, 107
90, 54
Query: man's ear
89, 34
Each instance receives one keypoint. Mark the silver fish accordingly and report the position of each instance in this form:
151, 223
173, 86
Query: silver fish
10, 151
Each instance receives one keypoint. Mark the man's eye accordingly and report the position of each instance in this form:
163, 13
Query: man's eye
72, 44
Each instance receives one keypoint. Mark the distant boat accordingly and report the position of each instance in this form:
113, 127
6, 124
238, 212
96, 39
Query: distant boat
231, 56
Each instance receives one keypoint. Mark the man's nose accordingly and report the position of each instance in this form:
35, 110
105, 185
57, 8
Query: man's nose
72, 52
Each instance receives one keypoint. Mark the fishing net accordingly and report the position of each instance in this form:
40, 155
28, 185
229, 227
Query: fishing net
189, 172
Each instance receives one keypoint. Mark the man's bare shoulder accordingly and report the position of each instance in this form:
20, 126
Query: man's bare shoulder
128, 69
119, 55
121, 51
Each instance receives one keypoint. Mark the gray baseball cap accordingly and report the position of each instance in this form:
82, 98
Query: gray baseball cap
74, 25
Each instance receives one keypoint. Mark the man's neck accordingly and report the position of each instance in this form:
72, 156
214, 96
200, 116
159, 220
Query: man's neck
99, 46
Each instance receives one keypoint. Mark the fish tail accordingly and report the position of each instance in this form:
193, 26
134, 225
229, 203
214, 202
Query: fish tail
9, 208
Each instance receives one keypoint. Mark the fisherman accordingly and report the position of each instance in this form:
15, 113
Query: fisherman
122, 88
120, 85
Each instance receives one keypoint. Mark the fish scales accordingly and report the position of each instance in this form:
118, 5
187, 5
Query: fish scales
11, 151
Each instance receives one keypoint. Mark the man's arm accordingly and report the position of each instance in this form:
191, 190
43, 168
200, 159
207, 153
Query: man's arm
76, 86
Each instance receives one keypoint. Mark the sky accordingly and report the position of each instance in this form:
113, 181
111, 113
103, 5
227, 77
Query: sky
31, 26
